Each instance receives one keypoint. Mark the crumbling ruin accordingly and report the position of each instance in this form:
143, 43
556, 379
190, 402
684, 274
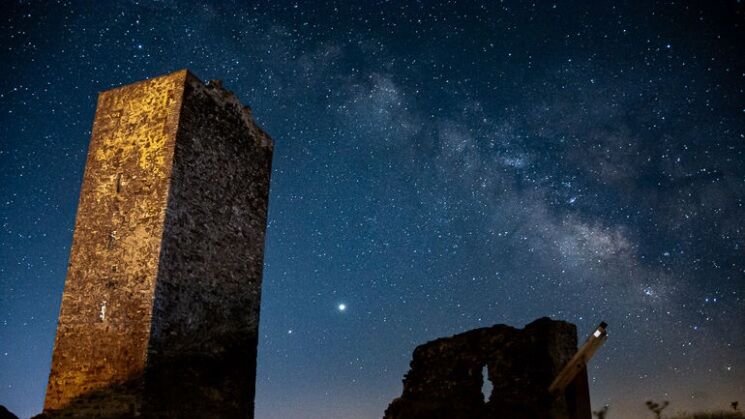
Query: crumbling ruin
445, 380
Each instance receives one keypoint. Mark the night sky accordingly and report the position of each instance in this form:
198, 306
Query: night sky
438, 167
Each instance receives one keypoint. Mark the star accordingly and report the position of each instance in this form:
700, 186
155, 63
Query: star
341, 307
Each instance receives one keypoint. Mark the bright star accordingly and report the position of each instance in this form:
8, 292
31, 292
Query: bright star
342, 307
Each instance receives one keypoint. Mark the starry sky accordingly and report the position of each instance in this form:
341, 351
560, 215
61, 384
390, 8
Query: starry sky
439, 166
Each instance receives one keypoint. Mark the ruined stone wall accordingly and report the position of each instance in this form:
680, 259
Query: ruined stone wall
160, 310
445, 379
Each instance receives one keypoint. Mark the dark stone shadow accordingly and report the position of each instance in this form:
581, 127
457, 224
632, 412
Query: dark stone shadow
188, 387
6, 414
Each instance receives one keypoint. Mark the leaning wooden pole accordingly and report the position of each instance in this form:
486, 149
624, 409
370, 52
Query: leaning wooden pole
579, 360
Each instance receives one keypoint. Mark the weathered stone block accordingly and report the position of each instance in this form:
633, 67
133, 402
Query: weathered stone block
160, 310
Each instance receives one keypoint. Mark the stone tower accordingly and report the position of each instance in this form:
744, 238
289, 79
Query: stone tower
160, 311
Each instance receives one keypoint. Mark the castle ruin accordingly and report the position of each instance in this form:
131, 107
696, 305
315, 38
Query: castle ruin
446, 376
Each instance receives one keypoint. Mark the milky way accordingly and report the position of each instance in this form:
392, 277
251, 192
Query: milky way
438, 167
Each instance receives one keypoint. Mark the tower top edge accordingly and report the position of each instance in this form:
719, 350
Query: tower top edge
215, 89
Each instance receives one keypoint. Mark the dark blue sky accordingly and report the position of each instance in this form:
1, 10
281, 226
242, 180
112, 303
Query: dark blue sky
438, 167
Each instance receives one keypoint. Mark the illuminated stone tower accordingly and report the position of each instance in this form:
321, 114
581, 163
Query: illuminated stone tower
160, 311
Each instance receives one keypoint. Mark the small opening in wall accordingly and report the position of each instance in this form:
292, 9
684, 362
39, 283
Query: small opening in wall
486, 385
102, 311
112, 239
118, 182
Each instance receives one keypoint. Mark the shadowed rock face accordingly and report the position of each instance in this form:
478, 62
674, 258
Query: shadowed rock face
6, 414
445, 379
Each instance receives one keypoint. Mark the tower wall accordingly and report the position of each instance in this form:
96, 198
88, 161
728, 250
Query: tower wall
161, 301
206, 309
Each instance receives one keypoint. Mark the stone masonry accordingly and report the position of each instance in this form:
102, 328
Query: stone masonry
160, 311
445, 380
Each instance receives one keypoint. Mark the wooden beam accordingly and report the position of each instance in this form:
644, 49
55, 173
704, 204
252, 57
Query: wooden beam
579, 360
